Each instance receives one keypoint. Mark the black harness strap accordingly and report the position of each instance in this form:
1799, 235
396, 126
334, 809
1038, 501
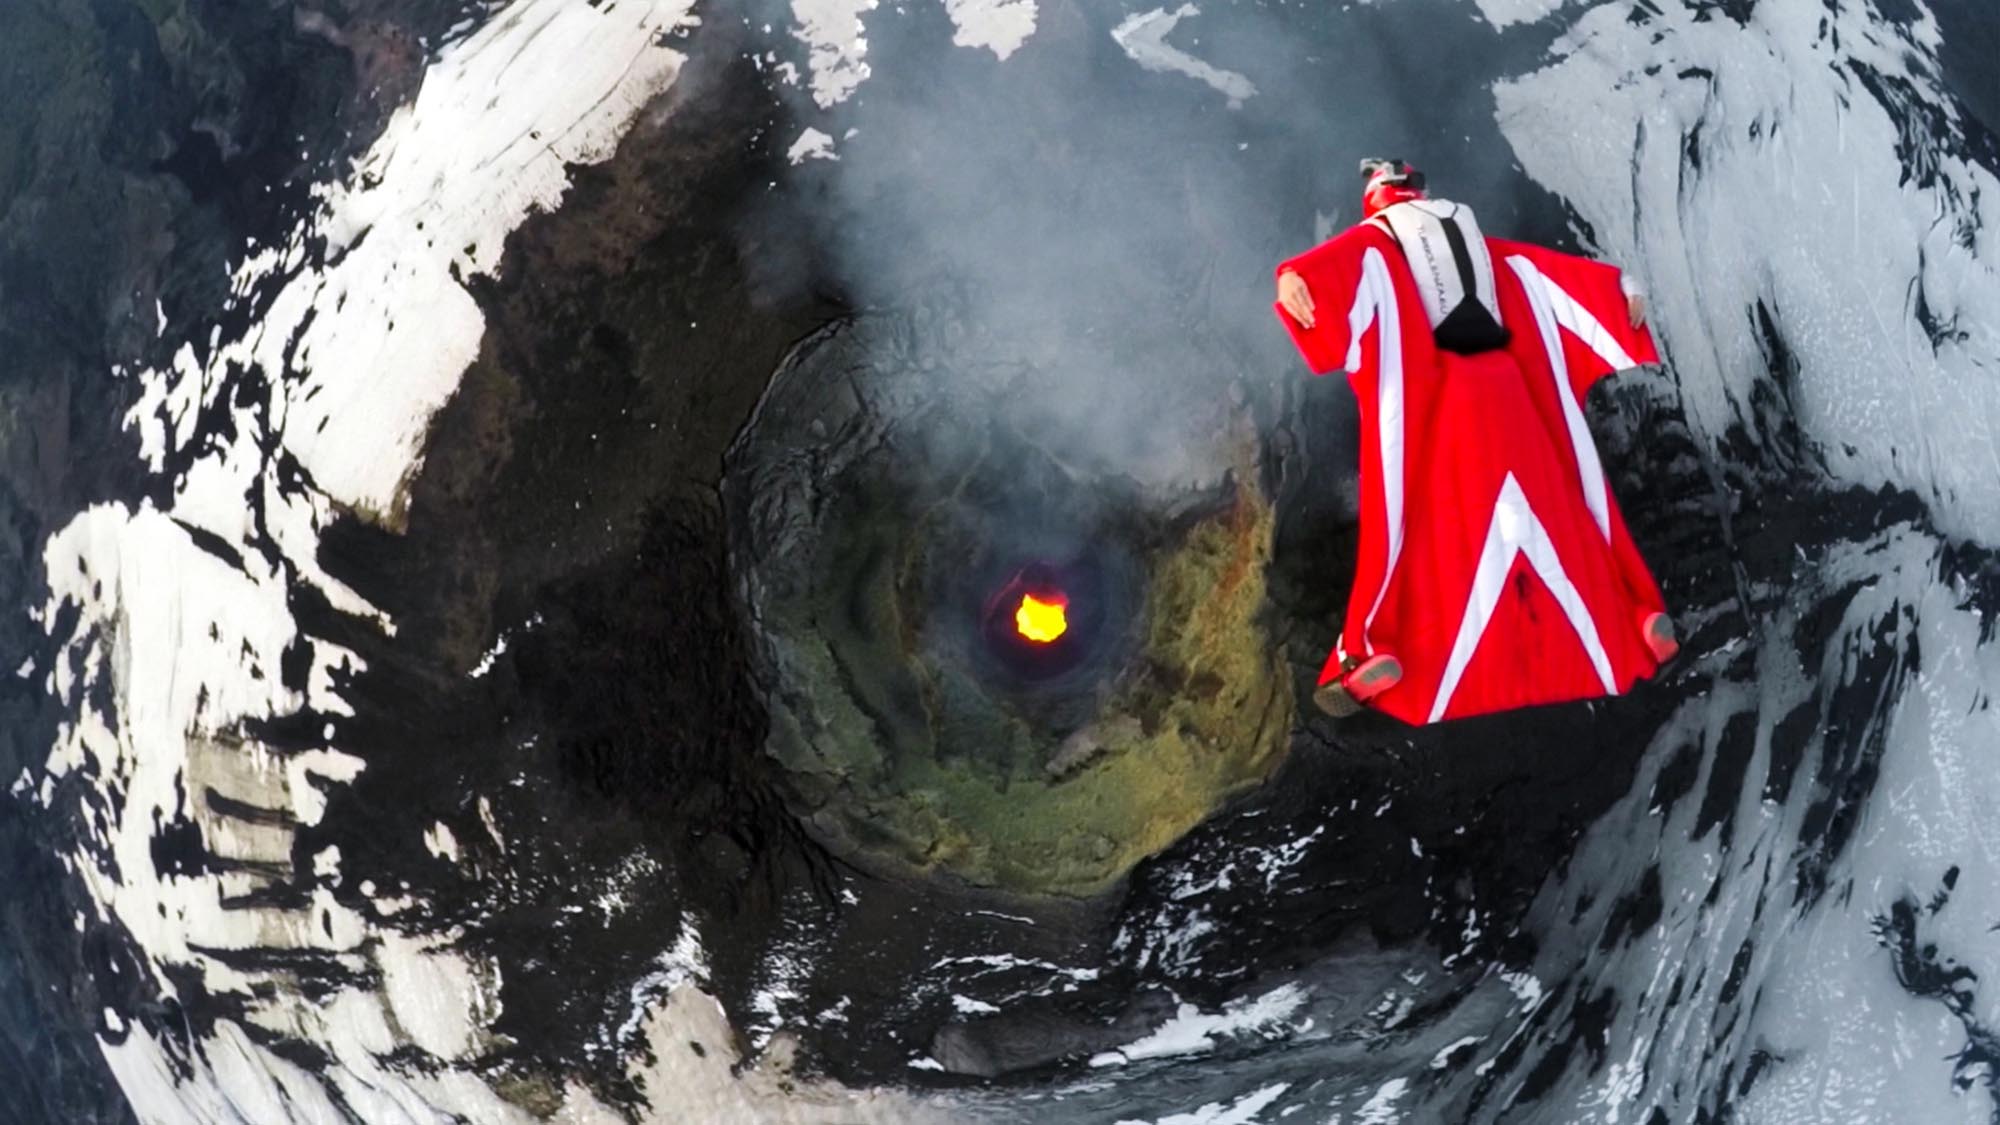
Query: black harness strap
1462, 256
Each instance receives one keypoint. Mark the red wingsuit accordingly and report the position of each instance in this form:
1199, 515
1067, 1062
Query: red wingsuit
1494, 563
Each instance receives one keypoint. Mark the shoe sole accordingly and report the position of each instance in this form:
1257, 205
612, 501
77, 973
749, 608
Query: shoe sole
1344, 697
1369, 682
1660, 639
1333, 700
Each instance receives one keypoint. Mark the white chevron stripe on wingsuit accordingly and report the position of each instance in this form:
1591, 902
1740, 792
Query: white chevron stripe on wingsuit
1375, 299
1516, 530
1554, 311
1571, 314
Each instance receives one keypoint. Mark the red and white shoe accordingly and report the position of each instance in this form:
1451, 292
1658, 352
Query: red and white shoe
1361, 682
1658, 629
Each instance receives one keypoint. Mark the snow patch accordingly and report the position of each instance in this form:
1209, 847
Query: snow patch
1143, 38
439, 841
686, 962
1192, 1031
1526, 987
966, 1005
1242, 1111
1503, 14
1381, 1108
1443, 1057
492, 826
836, 46
1000, 26
428, 991
811, 145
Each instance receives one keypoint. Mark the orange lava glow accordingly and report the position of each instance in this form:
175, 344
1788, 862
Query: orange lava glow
1044, 619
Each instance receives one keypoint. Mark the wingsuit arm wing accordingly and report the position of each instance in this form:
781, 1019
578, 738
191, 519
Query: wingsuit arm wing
1568, 315
1357, 321
1330, 271
1579, 306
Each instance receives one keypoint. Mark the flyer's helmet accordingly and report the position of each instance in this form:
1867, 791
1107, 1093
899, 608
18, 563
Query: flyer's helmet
1389, 182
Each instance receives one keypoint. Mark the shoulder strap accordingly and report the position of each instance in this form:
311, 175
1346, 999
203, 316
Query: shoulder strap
1461, 254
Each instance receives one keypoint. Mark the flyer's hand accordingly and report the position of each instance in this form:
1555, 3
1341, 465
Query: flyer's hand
1635, 306
1296, 298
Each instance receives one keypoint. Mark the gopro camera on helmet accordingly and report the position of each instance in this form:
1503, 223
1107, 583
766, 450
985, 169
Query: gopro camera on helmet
1392, 171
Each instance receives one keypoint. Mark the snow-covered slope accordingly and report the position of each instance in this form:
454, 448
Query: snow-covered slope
178, 633
1807, 161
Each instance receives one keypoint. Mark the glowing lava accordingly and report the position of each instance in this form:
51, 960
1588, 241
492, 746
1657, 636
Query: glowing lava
1042, 619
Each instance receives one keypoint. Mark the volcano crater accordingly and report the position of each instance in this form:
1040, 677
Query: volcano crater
888, 518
